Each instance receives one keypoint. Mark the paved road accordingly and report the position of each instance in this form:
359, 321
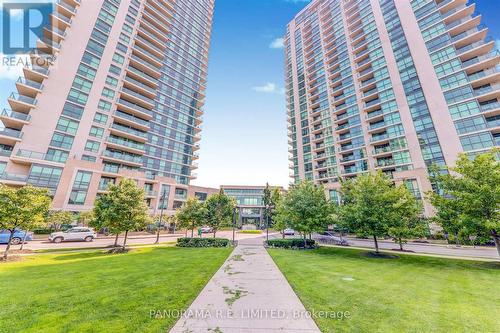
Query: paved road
435, 249
248, 294
44, 244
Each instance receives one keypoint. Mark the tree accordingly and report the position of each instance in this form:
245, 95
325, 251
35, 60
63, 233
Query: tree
472, 189
84, 218
218, 210
22, 208
270, 200
122, 209
372, 205
191, 215
59, 218
304, 208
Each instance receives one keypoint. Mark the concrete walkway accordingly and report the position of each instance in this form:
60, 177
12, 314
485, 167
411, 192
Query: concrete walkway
247, 294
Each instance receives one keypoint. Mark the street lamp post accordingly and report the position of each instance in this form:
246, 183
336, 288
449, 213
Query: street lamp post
161, 217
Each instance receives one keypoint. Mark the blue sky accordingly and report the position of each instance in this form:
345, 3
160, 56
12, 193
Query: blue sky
244, 137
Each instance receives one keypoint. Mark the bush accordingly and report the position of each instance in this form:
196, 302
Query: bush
203, 242
250, 231
292, 243
43, 231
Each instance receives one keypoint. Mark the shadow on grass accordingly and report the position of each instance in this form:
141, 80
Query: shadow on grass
420, 260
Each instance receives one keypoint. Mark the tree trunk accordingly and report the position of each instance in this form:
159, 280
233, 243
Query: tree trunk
215, 231
125, 239
116, 240
376, 243
305, 240
283, 234
457, 242
24, 239
400, 244
192, 232
496, 239
6, 252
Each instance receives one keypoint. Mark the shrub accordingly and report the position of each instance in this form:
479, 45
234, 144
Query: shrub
250, 231
43, 231
292, 243
203, 242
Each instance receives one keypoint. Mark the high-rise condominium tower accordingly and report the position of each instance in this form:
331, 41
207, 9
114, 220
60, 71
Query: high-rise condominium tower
122, 97
391, 85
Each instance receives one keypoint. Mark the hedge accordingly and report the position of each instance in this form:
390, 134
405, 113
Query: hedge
203, 242
291, 243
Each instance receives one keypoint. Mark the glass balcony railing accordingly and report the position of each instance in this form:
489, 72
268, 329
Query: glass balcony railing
11, 133
61, 17
13, 177
129, 130
487, 89
149, 44
142, 74
481, 58
23, 99
5, 152
15, 115
123, 156
385, 162
140, 84
122, 142
127, 116
133, 105
149, 54
483, 73
38, 156
490, 106
30, 83
142, 62
372, 102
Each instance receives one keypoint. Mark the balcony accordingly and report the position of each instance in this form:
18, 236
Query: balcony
13, 179
385, 163
144, 89
10, 136
126, 145
35, 73
128, 119
135, 108
487, 90
28, 87
128, 132
60, 21
5, 152
144, 66
14, 119
21, 103
122, 157
28, 156
490, 107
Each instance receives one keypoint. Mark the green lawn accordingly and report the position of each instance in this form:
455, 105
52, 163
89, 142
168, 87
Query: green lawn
97, 292
408, 294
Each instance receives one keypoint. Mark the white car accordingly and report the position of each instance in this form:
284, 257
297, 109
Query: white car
288, 232
76, 234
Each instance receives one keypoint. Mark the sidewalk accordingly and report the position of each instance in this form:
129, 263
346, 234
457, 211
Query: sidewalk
247, 294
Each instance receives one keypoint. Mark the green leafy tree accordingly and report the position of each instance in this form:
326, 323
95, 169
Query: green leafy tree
191, 215
372, 205
472, 188
304, 208
271, 198
23, 208
122, 209
84, 218
58, 218
447, 215
218, 210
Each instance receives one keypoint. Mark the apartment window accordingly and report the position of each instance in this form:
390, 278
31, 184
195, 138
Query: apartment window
464, 109
90, 59
100, 118
115, 70
111, 81
469, 125
96, 132
68, 126
44, 176
477, 141
80, 187
86, 71
104, 105
124, 38
72, 110
62, 141
92, 146
118, 58
108, 93
165, 191
78, 96
89, 158
56, 155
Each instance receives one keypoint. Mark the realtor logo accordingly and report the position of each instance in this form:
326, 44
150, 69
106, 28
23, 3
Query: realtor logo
23, 24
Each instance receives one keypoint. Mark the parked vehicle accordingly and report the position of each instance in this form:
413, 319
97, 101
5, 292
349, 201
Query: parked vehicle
17, 238
206, 230
289, 232
330, 238
76, 234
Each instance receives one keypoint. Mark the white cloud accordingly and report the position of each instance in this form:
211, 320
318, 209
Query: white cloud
278, 43
11, 67
269, 88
